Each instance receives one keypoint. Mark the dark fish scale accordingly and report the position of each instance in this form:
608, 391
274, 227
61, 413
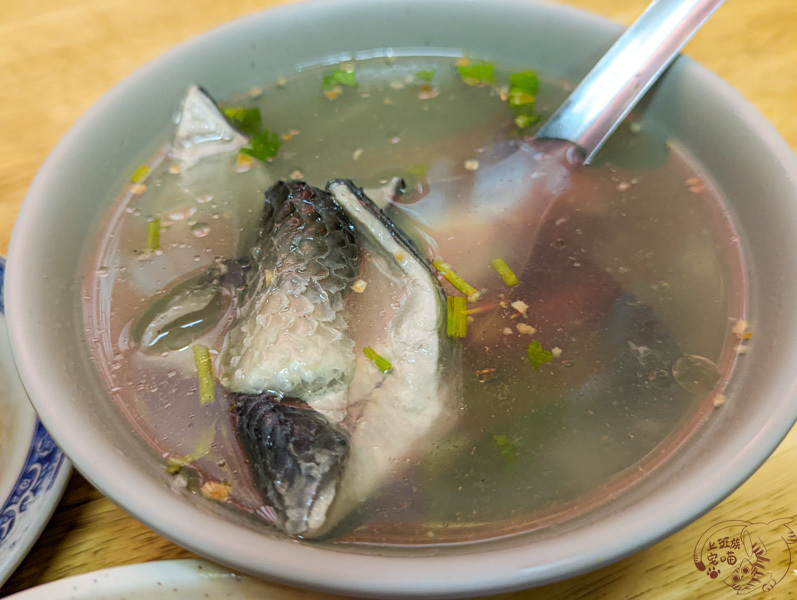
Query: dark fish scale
294, 452
303, 230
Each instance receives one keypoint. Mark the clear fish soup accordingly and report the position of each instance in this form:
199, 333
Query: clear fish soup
612, 348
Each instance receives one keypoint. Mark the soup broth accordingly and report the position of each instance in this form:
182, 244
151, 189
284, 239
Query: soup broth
631, 302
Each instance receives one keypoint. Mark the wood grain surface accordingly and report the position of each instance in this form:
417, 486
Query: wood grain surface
57, 57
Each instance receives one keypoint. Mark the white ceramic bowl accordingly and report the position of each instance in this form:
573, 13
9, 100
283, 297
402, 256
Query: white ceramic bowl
739, 150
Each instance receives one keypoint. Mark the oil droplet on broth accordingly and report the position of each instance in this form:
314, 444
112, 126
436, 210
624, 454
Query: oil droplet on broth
200, 230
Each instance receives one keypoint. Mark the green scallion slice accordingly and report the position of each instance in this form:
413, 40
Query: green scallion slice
153, 235
339, 77
504, 271
140, 174
538, 356
381, 363
459, 284
425, 75
456, 317
204, 369
482, 73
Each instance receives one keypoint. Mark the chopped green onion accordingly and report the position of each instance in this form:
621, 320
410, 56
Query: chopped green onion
338, 77
418, 170
153, 235
506, 447
477, 74
381, 363
425, 75
246, 120
504, 271
538, 356
140, 174
204, 369
523, 89
523, 121
459, 284
456, 317
263, 146
524, 86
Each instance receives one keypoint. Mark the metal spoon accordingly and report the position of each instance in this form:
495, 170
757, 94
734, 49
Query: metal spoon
620, 79
498, 208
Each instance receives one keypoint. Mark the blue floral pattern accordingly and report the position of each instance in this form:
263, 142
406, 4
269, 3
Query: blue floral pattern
38, 475
40, 472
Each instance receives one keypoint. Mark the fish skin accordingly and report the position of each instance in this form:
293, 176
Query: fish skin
290, 337
296, 456
309, 469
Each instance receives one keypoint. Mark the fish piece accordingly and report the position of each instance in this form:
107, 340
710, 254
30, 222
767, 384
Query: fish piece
296, 455
202, 130
290, 336
322, 427
188, 310
395, 416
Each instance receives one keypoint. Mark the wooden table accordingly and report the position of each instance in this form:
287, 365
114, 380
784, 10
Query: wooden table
57, 57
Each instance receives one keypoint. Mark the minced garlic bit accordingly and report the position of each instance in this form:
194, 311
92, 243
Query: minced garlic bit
719, 400
623, 186
297, 174
399, 255
428, 93
357, 154
525, 329
137, 189
286, 137
695, 185
387, 101
359, 286
471, 165
215, 490
244, 163
741, 349
333, 93
507, 331
635, 127
503, 93
269, 277
556, 351
521, 307
740, 327
396, 85
463, 62
174, 169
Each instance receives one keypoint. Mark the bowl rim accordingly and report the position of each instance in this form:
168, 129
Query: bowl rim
355, 573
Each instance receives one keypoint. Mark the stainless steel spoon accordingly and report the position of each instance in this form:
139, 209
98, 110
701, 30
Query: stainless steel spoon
620, 79
499, 207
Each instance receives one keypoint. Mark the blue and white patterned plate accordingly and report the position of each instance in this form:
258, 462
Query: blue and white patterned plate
33, 471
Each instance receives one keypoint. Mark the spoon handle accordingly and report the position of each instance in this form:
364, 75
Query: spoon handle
614, 85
